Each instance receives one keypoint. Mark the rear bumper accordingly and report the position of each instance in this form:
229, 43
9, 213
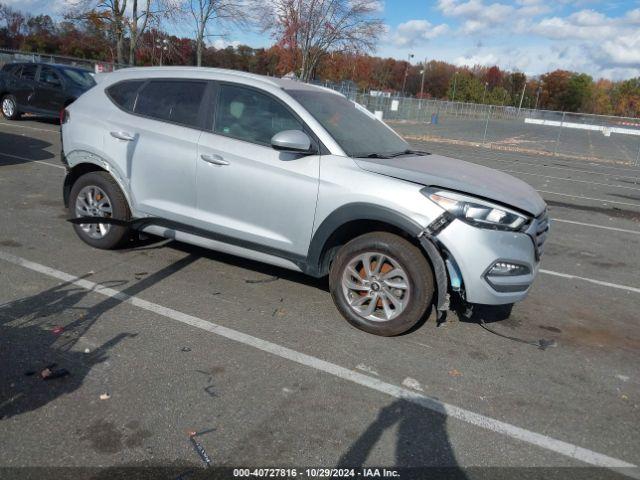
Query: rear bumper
474, 251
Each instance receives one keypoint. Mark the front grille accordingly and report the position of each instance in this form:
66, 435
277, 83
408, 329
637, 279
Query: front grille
540, 231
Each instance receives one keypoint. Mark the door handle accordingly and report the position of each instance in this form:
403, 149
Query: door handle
123, 136
214, 159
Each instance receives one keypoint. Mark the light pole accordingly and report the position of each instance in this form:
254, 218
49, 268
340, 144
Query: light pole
424, 71
538, 90
163, 45
486, 84
406, 73
522, 94
455, 80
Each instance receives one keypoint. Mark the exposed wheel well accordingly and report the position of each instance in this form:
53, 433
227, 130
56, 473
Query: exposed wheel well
350, 230
73, 175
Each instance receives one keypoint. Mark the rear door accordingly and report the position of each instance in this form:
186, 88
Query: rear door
24, 89
156, 134
260, 197
49, 92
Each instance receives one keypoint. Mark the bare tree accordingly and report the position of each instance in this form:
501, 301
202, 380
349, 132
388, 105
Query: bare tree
207, 13
315, 27
137, 26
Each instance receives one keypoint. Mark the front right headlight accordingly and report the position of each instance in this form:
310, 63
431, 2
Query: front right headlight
476, 211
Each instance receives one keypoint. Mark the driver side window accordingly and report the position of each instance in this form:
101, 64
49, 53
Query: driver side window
249, 115
49, 76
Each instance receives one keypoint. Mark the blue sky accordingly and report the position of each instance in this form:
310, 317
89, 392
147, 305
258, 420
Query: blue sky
533, 36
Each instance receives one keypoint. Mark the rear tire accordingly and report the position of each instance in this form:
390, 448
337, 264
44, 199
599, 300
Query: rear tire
396, 293
98, 194
9, 107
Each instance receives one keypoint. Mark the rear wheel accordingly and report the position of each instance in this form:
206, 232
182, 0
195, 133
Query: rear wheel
381, 283
9, 107
96, 194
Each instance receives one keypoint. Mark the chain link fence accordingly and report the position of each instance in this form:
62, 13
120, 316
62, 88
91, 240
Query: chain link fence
9, 56
586, 137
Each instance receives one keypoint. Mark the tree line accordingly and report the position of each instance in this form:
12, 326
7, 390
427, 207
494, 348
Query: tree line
328, 40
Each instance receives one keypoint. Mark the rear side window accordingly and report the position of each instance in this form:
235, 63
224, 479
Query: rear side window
123, 94
175, 101
29, 72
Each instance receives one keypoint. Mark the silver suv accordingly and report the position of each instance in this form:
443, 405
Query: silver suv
299, 177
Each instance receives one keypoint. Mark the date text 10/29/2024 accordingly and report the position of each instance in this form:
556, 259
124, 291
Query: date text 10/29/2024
315, 472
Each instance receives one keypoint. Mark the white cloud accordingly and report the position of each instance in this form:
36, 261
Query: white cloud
412, 32
477, 16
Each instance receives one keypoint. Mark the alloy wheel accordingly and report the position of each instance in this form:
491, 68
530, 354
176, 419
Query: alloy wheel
8, 107
376, 286
92, 201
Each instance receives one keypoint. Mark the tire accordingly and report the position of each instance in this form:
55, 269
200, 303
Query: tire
400, 256
9, 107
115, 235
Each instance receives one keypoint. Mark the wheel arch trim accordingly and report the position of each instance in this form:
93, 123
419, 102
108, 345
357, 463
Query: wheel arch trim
80, 162
317, 261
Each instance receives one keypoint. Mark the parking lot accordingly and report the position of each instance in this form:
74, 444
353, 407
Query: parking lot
163, 339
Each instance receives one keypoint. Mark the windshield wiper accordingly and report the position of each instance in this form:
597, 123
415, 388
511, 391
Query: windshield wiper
375, 155
409, 152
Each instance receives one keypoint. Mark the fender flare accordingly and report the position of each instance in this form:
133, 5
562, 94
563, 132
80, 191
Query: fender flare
317, 261
87, 158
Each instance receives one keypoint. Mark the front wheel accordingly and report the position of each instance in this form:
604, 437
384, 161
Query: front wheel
10, 107
381, 283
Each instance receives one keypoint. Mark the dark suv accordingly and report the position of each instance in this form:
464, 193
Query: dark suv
43, 89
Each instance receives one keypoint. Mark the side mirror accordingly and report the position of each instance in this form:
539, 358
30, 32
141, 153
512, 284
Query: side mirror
291, 141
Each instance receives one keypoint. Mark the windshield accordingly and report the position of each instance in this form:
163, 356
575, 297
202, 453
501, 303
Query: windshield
79, 77
356, 130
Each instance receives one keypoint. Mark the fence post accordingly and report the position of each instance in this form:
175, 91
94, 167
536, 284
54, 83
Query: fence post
486, 125
638, 157
555, 152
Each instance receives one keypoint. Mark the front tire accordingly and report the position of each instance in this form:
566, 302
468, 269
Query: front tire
96, 194
381, 283
9, 107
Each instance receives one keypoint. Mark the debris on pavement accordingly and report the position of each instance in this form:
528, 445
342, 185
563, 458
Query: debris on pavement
202, 453
264, 280
185, 349
366, 368
412, 383
57, 329
49, 373
455, 373
105, 396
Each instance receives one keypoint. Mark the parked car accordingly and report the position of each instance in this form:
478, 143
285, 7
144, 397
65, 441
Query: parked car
40, 88
299, 177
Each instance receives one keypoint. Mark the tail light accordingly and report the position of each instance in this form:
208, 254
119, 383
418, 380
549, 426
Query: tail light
64, 116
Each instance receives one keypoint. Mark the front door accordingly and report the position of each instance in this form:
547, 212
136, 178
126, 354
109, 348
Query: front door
247, 191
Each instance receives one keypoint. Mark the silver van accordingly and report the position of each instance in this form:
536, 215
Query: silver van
299, 177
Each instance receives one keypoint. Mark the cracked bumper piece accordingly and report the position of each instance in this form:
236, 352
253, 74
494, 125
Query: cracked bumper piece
497, 267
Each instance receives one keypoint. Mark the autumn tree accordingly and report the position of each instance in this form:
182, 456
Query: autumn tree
315, 27
206, 14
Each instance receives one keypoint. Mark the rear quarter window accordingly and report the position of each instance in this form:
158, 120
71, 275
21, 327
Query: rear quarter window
123, 94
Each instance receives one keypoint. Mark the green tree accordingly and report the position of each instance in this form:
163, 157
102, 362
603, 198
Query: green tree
578, 93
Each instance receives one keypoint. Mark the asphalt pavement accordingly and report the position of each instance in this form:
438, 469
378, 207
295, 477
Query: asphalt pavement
162, 339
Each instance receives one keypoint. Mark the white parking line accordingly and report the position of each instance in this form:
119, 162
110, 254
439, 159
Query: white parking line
478, 420
31, 160
592, 225
590, 198
572, 180
591, 280
17, 125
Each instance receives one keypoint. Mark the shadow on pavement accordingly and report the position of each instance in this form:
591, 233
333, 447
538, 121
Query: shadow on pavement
18, 149
30, 341
421, 440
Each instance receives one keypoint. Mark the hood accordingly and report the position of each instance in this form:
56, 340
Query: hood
464, 177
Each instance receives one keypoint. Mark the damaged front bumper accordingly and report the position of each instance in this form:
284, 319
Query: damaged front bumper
490, 267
